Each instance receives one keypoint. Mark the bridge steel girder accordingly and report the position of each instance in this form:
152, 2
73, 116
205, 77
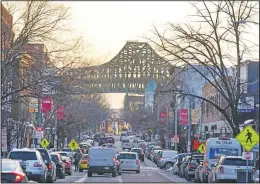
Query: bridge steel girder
128, 72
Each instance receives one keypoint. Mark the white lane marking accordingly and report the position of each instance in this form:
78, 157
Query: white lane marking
120, 179
82, 180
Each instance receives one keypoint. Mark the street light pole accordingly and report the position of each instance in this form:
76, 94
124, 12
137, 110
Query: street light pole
175, 120
189, 130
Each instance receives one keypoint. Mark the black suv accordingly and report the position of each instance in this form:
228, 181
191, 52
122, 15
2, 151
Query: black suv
51, 173
110, 140
102, 141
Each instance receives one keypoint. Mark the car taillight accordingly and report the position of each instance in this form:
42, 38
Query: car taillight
221, 169
18, 177
189, 166
137, 162
50, 166
37, 165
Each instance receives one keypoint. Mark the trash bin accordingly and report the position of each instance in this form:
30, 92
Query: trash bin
241, 176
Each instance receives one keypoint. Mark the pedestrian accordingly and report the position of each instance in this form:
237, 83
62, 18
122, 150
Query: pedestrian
77, 159
249, 136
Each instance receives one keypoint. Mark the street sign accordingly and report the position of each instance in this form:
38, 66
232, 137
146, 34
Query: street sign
195, 144
73, 145
184, 114
175, 139
246, 104
39, 132
201, 148
44, 143
247, 155
248, 138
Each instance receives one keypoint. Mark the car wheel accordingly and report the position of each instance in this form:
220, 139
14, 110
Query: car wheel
51, 180
63, 176
188, 178
138, 171
168, 165
120, 173
89, 174
43, 179
123, 148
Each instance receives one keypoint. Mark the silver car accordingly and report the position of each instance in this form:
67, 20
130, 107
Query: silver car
129, 161
32, 161
227, 168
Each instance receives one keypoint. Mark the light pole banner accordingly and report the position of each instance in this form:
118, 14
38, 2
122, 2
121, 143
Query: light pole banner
163, 116
60, 113
46, 104
184, 116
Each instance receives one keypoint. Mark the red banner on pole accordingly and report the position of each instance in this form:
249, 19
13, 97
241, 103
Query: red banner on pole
60, 113
184, 116
195, 144
46, 104
163, 116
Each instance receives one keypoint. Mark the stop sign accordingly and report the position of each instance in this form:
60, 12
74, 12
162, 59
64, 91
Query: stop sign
248, 155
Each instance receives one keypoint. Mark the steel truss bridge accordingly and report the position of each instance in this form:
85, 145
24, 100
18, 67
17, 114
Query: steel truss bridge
128, 72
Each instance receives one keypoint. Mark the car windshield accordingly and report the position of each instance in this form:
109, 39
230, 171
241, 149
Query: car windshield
137, 150
97, 153
54, 158
237, 162
216, 153
66, 149
125, 141
103, 139
127, 156
63, 154
23, 155
44, 154
9, 165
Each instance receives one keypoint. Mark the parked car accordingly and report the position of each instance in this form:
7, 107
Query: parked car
83, 163
68, 164
12, 172
140, 153
129, 161
118, 165
166, 159
31, 159
193, 163
153, 154
178, 161
156, 158
183, 165
60, 165
198, 173
51, 174
152, 150
66, 154
70, 153
256, 175
102, 160
225, 170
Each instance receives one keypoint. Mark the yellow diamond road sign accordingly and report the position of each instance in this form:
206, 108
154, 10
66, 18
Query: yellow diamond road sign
248, 138
44, 143
201, 148
73, 145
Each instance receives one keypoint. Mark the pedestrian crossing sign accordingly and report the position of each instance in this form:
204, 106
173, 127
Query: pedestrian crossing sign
44, 143
201, 148
73, 145
248, 138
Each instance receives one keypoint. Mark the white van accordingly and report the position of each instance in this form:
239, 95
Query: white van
215, 148
127, 143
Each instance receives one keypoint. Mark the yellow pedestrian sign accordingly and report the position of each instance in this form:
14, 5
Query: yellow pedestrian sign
44, 143
73, 145
201, 148
248, 138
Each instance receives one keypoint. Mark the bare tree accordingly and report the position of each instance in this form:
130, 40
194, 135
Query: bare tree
218, 42
36, 22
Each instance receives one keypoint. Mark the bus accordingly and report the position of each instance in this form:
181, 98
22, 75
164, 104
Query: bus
214, 149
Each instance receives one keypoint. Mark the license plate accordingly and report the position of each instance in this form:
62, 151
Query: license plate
106, 167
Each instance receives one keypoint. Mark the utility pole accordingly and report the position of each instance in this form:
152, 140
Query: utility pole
175, 120
189, 130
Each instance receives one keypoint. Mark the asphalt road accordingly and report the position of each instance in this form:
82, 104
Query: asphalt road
149, 173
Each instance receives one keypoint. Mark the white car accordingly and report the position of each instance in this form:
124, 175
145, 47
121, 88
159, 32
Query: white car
129, 161
227, 167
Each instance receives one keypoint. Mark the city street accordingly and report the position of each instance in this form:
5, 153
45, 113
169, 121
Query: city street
149, 173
